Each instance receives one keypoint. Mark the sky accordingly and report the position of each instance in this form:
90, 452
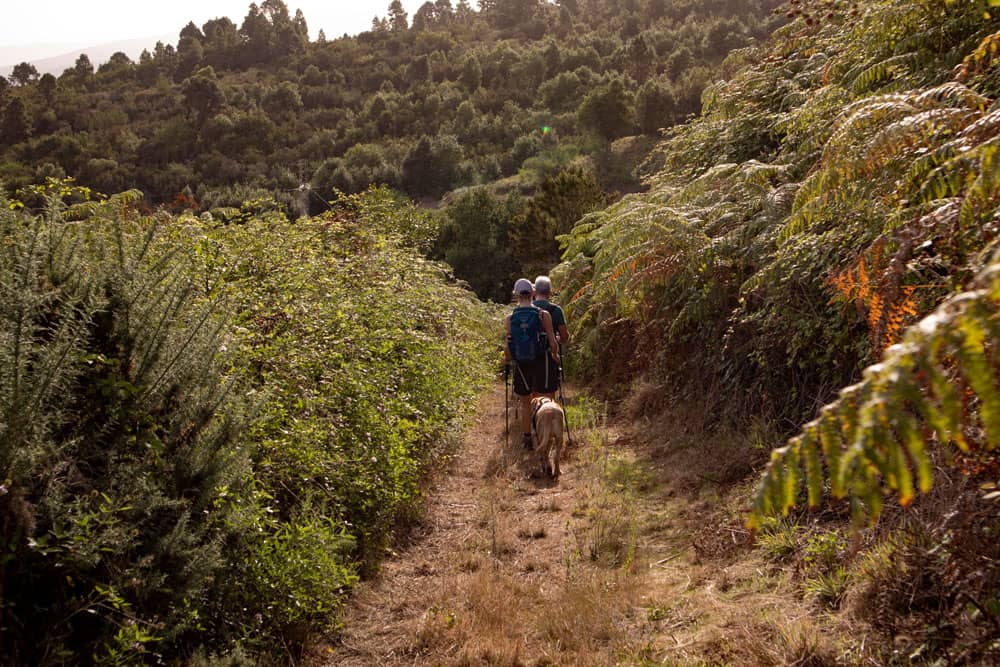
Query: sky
76, 23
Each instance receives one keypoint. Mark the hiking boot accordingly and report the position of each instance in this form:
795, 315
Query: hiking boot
526, 441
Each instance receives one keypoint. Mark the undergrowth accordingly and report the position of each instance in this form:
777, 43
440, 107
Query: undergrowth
210, 430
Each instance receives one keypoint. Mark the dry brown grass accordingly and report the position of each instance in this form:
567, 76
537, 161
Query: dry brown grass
513, 570
636, 556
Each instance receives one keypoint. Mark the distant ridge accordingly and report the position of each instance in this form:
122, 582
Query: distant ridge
55, 64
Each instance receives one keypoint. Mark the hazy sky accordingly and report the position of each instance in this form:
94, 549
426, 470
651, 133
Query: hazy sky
96, 21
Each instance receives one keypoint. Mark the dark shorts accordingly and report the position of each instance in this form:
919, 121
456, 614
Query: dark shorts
538, 377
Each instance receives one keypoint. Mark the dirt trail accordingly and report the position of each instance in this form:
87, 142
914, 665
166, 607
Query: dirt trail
493, 574
614, 563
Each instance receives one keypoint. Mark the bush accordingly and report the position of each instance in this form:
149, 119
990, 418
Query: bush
143, 516
118, 432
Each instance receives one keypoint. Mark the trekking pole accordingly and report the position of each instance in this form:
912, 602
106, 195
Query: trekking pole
562, 398
506, 406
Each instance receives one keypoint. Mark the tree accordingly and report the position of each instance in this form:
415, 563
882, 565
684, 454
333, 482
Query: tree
222, 43
561, 201
561, 92
23, 74
655, 107
256, 34
83, 68
189, 56
425, 17
165, 58
118, 65
472, 74
282, 102
47, 87
641, 57
508, 14
289, 35
146, 71
418, 71
463, 11
191, 31
300, 26
314, 77
607, 111
16, 124
445, 13
397, 17
473, 241
553, 58
432, 166
202, 94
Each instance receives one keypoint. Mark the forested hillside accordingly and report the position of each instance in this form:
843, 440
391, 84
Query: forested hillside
839, 185
449, 97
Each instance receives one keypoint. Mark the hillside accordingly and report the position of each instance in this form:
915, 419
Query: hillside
449, 98
57, 58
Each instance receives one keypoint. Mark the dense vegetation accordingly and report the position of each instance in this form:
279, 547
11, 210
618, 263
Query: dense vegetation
211, 423
839, 185
210, 430
833, 190
452, 98
455, 97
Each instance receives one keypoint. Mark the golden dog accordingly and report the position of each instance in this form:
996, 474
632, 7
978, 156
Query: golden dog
548, 433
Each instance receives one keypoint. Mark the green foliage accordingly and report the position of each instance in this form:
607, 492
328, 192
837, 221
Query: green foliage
474, 242
209, 431
936, 386
608, 111
277, 104
793, 196
560, 202
779, 540
364, 356
15, 125
118, 431
432, 167
828, 587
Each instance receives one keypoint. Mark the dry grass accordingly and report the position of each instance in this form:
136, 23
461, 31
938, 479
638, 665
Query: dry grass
636, 556
516, 570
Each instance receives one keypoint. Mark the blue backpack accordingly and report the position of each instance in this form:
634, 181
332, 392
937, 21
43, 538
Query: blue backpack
526, 334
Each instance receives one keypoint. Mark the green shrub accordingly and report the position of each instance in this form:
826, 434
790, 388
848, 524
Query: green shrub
361, 355
117, 432
177, 473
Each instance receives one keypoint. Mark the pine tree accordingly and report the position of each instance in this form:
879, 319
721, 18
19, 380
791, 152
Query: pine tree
397, 17
23, 74
16, 124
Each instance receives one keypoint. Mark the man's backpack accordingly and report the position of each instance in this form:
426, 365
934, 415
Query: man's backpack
526, 334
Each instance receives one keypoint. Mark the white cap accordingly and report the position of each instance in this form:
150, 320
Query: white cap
543, 285
523, 286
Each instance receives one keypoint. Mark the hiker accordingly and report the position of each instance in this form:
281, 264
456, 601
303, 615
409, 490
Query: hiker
531, 342
543, 296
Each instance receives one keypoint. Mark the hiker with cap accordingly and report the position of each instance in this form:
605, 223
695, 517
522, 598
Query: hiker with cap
531, 343
543, 296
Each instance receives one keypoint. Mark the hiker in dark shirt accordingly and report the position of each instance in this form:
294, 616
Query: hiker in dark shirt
543, 294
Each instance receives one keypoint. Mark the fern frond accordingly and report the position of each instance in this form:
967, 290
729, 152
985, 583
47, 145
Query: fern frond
883, 418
